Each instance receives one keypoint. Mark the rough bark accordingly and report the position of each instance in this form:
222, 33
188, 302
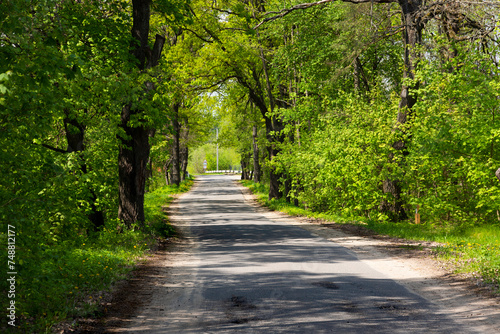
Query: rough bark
141, 12
134, 147
498, 174
132, 170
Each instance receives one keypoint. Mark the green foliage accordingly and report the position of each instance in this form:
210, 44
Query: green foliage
339, 167
228, 158
66, 71
332, 78
455, 145
68, 277
261, 191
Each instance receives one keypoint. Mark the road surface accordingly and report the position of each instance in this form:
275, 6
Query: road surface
244, 273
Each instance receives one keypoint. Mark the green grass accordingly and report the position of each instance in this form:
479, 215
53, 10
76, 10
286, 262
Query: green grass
70, 278
261, 191
153, 206
474, 250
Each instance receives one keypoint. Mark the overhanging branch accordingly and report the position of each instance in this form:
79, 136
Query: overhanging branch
287, 11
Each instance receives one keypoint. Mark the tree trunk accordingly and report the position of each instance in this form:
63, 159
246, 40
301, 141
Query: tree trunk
498, 174
273, 129
134, 150
412, 38
176, 167
256, 160
184, 155
245, 166
184, 149
132, 170
166, 170
243, 169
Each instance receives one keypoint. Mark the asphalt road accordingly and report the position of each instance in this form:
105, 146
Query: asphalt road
244, 273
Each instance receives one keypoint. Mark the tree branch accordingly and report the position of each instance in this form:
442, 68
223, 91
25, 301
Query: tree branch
54, 148
157, 49
287, 11
216, 84
198, 36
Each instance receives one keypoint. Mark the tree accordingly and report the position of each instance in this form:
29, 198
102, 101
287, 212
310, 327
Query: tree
134, 150
415, 15
226, 50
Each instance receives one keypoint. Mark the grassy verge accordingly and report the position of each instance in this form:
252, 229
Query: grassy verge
154, 203
474, 250
72, 277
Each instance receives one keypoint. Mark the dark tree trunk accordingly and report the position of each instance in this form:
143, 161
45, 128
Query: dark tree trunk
134, 149
273, 132
243, 169
412, 38
256, 160
132, 170
75, 135
245, 166
273, 129
141, 13
184, 155
176, 166
184, 150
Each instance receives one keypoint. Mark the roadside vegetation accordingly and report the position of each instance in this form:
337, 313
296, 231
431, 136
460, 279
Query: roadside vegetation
472, 250
68, 279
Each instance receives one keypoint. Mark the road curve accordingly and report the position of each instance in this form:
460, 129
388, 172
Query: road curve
244, 273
